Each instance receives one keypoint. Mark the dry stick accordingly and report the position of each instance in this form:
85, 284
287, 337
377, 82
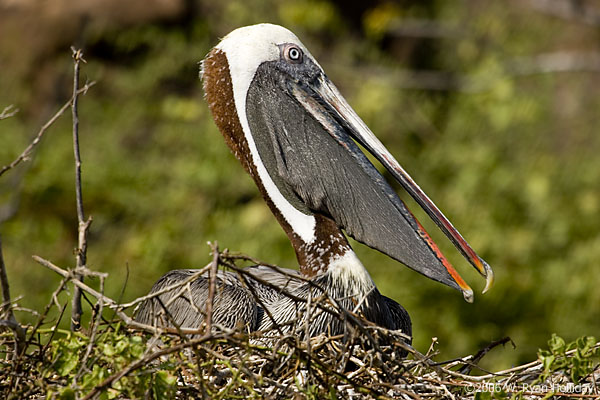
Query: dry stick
8, 112
167, 289
299, 354
27, 152
44, 314
469, 364
122, 293
92, 341
55, 327
11, 322
212, 281
17, 365
110, 303
81, 251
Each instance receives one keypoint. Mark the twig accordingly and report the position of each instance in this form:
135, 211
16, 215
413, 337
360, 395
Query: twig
44, 314
95, 325
122, 293
110, 303
167, 289
212, 281
54, 329
81, 251
5, 286
27, 152
466, 369
8, 112
11, 321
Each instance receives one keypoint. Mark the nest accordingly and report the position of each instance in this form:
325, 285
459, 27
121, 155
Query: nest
121, 358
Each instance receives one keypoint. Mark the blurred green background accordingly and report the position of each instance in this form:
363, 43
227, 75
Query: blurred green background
493, 107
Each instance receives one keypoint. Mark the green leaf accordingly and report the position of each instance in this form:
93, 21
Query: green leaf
66, 354
557, 344
122, 345
547, 361
108, 350
163, 385
67, 394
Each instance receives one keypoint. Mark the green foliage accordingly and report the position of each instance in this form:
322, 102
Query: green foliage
111, 352
577, 359
65, 353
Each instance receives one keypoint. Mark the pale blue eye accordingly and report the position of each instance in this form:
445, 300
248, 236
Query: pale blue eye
294, 54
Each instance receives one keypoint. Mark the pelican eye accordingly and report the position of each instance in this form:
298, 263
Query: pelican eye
293, 54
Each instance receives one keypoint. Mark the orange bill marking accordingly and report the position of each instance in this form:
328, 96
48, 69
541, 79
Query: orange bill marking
453, 273
438, 217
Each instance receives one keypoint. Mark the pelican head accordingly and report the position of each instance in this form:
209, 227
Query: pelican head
298, 138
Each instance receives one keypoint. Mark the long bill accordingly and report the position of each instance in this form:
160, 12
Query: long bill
331, 98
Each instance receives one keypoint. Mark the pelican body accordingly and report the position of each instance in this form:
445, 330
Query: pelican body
296, 136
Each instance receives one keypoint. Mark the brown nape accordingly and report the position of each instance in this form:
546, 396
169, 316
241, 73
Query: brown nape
330, 242
218, 90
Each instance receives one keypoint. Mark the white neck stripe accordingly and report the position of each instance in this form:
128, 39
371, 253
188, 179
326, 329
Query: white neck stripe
245, 51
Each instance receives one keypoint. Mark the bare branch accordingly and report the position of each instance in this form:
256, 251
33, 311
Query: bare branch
78, 58
212, 281
8, 112
44, 314
108, 302
27, 152
83, 227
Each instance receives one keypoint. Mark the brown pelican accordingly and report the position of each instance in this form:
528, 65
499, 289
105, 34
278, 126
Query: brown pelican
297, 137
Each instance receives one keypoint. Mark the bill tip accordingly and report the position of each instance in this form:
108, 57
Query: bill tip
489, 277
468, 295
